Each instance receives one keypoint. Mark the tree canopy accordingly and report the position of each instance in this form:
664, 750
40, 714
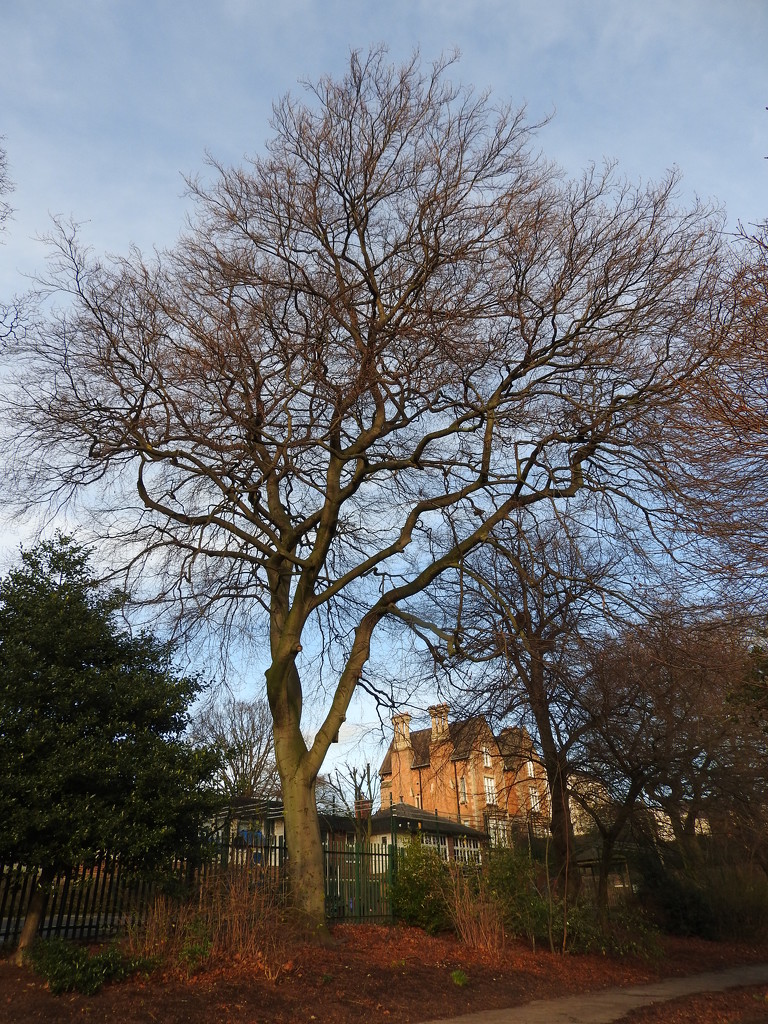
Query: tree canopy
377, 341
92, 752
241, 731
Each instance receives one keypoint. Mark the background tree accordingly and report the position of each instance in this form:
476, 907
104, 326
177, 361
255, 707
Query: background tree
351, 790
724, 424
10, 313
241, 731
5, 187
521, 612
373, 345
715, 778
664, 727
92, 753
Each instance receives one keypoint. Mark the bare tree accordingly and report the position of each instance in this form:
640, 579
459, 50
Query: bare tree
11, 313
5, 187
720, 435
373, 345
523, 608
664, 726
241, 730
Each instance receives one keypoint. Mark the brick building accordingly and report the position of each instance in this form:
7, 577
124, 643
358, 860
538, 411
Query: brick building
463, 771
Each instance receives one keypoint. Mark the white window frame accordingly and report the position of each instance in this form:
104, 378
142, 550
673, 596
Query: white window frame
466, 850
498, 830
489, 785
440, 843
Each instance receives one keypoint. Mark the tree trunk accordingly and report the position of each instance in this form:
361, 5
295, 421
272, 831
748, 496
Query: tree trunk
298, 765
555, 765
306, 872
606, 856
34, 912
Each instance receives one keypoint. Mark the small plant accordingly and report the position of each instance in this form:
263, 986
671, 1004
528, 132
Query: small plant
68, 967
196, 946
459, 978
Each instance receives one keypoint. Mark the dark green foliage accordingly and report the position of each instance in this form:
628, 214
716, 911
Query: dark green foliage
419, 889
721, 904
68, 967
92, 753
624, 931
512, 879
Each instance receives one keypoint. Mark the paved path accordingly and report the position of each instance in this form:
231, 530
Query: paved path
612, 1004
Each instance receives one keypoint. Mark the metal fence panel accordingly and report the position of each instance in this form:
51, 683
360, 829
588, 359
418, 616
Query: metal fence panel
100, 900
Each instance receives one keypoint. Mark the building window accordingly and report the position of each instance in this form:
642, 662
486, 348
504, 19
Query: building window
490, 790
531, 770
486, 757
466, 850
535, 800
438, 843
498, 830
463, 789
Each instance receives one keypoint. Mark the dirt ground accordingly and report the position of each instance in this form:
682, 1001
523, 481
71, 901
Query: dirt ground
391, 974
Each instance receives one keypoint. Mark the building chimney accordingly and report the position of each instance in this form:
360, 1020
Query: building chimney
363, 809
401, 724
439, 715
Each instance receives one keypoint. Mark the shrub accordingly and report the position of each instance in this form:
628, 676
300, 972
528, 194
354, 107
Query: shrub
624, 931
419, 889
719, 904
68, 967
512, 880
474, 908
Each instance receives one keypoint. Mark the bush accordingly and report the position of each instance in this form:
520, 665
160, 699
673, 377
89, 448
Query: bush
236, 913
474, 908
68, 967
625, 931
419, 889
717, 904
512, 880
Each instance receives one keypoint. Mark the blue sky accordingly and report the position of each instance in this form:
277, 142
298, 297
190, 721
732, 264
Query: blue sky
105, 104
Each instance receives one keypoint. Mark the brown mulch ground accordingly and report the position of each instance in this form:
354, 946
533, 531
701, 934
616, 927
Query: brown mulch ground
737, 1006
391, 974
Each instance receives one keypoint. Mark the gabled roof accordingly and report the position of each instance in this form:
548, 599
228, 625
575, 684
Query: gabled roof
515, 746
466, 737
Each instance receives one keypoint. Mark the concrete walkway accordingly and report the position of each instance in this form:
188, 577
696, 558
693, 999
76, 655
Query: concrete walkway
614, 1003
